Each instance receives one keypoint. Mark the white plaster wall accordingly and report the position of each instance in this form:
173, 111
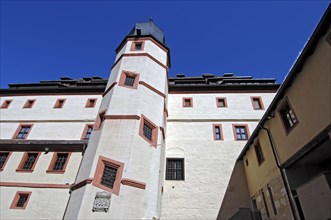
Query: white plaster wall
43, 203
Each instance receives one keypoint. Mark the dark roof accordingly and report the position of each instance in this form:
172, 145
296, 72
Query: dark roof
308, 50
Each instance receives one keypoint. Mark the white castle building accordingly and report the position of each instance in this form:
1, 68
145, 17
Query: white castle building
139, 145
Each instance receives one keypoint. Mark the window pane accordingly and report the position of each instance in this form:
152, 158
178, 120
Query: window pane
148, 132
175, 169
21, 201
129, 81
60, 161
109, 176
3, 158
29, 161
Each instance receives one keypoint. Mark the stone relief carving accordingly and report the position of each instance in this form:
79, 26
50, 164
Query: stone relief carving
101, 202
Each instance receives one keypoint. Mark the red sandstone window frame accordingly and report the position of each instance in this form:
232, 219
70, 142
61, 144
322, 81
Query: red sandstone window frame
190, 102
234, 126
100, 119
149, 123
91, 102
260, 102
23, 160
126, 74
218, 102
20, 126
6, 103
102, 162
221, 132
17, 197
4, 164
59, 103
85, 131
29, 103
134, 45
53, 161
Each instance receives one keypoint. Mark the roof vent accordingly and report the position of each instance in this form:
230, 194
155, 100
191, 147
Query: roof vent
180, 75
228, 74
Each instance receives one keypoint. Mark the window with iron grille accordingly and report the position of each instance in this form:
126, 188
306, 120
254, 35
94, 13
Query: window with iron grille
287, 115
23, 132
175, 169
3, 158
258, 152
30, 160
241, 133
88, 132
109, 176
148, 131
22, 200
60, 161
129, 80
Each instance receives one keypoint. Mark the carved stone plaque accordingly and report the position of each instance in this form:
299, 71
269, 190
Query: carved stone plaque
101, 202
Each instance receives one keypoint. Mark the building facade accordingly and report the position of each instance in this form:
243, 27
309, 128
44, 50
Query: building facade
138, 145
285, 166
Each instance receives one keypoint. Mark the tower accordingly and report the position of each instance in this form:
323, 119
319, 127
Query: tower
123, 162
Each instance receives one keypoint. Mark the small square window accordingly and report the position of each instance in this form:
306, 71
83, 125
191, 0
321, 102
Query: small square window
59, 162
109, 176
59, 103
29, 103
221, 102
90, 103
257, 103
258, 152
6, 103
137, 46
28, 162
101, 118
22, 132
240, 132
3, 159
175, 169
288, 116
187, 102
129, 80
87, 132
20, 200
148, 130
217, 129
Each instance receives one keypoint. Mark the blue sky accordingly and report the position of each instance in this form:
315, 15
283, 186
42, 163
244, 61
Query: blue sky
44, 40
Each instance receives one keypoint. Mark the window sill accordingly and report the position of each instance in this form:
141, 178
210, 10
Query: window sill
24, 171
55, 171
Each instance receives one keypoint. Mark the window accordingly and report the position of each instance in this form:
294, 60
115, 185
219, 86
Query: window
108, 175
22, 132
175, 169
3, 159
101, 118
59, 162
187, 102
129, 79
29, 103
6, 104
59, 103
258, 152
221, 102
90, 103
257, 103
288, 116
148, 131
217, 129
240, 132
20, 200
137, 46
28, 162
87, 132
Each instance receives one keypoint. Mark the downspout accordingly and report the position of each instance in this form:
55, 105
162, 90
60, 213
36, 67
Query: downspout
288, 190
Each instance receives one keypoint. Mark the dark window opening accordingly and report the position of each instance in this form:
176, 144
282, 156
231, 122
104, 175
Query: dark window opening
22, 200
175, 169
3, 159
138, 46
148, 131
288, 117
22, 134
60, 161
109, 176
259, 153
257, 103
129, 80
30, 160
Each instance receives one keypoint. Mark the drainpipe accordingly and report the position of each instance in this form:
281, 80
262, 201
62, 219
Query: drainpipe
288, 190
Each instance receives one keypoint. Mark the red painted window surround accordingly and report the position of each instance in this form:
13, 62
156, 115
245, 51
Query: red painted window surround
22, 131
218, 132
187, 102
221, 102
19, 202
51, 167
100, 119
90, 103
87, 131
240, 136
6, 103
146, 123
59, 103
257, 103
29, 103
137, 45
129, 79
24, 162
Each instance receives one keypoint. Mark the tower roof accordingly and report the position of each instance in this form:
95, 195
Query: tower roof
148, 28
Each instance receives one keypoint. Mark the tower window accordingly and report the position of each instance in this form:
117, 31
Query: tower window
257, 103
29, 103
109, 176
3, 159
28, 162
175, 169
240, 132
90, 103
20, 200
217, 128
221, 102
288, 116
6, 103
87, 132
22, 132
258, 152
148, 131
59, 103
101, 118
129, 80
137, 46
187, 102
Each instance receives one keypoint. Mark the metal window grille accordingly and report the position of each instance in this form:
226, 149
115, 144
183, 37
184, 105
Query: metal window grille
109, 176
3, 158
30, 160
218, 133
23, 132
88, 132
288, 116
60, 161
175, 169
148, 131
129, 81
22, 200
241, 133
